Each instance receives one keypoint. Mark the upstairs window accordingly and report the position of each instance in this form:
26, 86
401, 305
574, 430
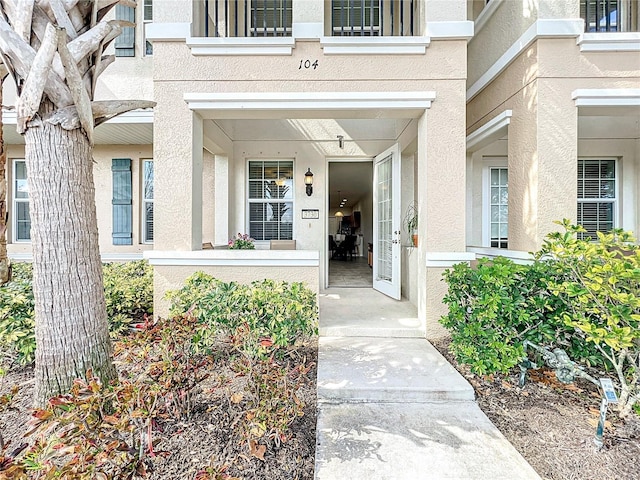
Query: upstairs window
374, 17
270, 199
147, 17
597, 196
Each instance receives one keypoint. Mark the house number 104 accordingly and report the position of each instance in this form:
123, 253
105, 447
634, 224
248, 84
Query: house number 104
308, 64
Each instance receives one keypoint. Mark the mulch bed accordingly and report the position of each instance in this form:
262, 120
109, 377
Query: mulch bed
553, 425
186, 446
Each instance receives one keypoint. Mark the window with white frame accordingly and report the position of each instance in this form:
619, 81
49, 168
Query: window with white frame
499, 206
21, 217
126, 42
597, 195
147, 201
270, 201
147, 17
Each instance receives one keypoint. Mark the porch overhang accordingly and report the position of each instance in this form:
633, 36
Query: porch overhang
244, 105
235, 258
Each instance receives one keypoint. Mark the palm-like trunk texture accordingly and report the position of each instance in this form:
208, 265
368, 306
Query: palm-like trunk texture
5, 273
71, 328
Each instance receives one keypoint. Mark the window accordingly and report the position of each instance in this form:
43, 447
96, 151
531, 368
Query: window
21, 217
125, 43
147, 18
147, 201
499, 207
596, 195
271, 199
271, 18
121, 201
374, 17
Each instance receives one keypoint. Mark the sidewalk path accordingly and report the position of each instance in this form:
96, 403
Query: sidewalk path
390, 407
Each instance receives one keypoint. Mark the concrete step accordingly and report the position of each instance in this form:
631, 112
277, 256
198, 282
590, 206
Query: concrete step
369, 369
414, 442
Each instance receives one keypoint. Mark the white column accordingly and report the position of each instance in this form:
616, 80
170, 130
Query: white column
221, 227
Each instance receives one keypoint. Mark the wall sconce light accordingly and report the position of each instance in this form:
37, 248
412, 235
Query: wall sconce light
308, 181
341, 141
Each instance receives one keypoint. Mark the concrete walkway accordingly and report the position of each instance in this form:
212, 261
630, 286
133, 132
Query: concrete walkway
390, 407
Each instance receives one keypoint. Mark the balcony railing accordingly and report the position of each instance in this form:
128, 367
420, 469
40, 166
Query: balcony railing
247, 18
610, 15
374, 17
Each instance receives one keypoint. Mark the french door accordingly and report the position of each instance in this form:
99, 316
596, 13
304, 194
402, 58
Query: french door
386, 224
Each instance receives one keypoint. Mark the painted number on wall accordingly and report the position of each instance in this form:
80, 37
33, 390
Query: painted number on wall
307, 64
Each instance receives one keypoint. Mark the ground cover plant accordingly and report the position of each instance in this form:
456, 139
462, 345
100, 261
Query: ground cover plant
185, 405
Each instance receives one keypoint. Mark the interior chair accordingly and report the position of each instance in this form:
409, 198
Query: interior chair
333, 246
349, 246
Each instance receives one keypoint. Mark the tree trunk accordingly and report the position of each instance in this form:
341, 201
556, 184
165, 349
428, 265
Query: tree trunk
5, 272
72, 333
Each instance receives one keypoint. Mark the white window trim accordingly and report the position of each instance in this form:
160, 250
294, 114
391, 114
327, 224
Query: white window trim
248, 201
617, 201
489, 163
145, 22
15, 200
144, 201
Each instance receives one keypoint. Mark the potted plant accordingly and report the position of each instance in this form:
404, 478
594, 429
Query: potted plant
410, 222
241, 242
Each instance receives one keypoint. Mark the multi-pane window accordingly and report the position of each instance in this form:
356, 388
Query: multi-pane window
374, 17
21, 217
499, 206
147, 17
597, 186
271, 18
271, 199
125, 43
147, 201
610, 15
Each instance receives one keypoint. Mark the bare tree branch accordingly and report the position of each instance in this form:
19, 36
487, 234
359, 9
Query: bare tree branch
104, 6
22, 20
62, 18
78, 92
29, 101
21, 55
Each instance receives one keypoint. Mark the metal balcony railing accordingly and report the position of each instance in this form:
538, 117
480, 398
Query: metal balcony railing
247, 18
374, 17
610, 15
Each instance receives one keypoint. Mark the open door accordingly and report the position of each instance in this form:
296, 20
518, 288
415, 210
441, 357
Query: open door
386, 222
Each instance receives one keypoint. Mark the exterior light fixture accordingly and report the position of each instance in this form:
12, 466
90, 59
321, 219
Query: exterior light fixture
308, 181
341, 141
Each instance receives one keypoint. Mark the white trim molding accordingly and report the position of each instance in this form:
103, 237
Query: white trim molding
455, 30
241, 45
9, 117
374, 45
609, 42
494, 129
303, 101
606, 97
540, 29
167, 32
517, 256
447, 259
235, 258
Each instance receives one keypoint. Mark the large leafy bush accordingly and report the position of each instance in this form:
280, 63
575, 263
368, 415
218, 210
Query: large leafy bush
17, 324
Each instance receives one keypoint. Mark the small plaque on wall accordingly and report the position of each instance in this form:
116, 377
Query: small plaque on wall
306, 214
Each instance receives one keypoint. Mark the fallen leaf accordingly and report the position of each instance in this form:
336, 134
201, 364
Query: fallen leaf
506, 385
256, 450
237, 397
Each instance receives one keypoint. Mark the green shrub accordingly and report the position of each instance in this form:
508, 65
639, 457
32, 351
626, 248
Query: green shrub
128, 294
495, 307
600, 284
258, 317
17, 324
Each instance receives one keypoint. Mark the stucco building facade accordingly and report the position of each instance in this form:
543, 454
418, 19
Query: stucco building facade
492, 118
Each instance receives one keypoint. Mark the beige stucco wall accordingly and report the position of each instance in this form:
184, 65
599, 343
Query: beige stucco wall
172, 278
543, 135
102, 154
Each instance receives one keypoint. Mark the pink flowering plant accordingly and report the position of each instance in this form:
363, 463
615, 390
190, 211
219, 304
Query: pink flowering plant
241, 242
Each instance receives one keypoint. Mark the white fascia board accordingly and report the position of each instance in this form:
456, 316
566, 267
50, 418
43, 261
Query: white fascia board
490, 131
167, 32
374, 45
447, 259
309, 100
540, 29
609, 42
241, 45
462, 30
606, 97
486, 13
9, 117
